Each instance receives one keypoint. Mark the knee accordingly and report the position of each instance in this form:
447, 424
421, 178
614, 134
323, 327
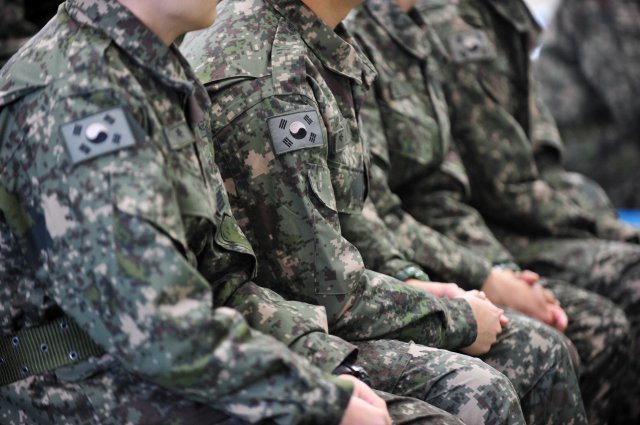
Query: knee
490, 395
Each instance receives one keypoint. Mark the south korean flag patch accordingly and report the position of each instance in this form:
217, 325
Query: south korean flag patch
97, 135
295, 131
471, 46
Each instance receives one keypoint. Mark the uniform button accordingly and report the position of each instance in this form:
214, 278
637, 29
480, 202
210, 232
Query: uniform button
15, 341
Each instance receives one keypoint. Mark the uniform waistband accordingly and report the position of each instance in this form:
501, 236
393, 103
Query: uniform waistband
43, 348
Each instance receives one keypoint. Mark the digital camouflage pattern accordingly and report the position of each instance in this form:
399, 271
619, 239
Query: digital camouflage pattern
405, 106
494, 116
130, 244
587, 70
407, 128
291, 197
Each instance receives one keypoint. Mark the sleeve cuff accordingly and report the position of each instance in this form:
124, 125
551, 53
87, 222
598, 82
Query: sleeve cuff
462, 329
324, 351
411, 271
475, 273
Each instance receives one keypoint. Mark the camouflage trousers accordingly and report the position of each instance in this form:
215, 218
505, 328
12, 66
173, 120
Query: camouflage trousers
101, 392
600, 332
611, 269
533, 356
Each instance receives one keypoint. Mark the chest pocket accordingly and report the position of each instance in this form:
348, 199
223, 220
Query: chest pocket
346, 164
476, 49
409, 125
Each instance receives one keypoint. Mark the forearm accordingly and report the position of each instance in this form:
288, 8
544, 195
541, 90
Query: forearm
441, 202
440, 256
377, 244
302, 327
393, 310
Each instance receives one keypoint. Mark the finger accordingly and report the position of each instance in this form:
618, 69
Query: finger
529, 276
560, 318
374, 399
550, 297
503, 319
364, 392
481, 295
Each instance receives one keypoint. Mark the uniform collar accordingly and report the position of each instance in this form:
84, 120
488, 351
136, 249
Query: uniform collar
335, 49
141, 45
399, 25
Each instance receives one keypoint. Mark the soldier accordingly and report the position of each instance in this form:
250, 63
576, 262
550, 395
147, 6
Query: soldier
286, 85
587, 72
417, 181
124, 274
497, 126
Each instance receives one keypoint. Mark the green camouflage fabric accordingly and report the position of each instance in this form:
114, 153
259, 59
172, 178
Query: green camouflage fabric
549, 151
512, 186
493, 115
291, 195
409, 111
414, 183
135, 242
587, 73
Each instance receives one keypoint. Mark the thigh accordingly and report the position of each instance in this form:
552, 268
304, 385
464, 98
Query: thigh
597, 327
538, 361
105, 393
601, 333
463, 386
406, 410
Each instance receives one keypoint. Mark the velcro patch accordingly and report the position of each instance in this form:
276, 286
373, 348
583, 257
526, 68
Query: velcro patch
295, 131
97, 135
470, 46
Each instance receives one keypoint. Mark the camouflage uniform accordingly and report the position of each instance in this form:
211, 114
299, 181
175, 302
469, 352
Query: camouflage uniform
286, 90
588, 71
116, 241
497, 123
407, 129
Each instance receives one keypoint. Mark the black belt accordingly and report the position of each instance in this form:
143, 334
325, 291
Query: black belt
43, 348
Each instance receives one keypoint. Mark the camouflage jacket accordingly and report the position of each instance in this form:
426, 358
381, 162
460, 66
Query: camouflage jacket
494, 115
586, 70
286, 90
418, 183
113, 212
588, 65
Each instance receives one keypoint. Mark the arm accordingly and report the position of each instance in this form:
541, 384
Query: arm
377, 245
441, 201
286, 205
498, 157
434, 251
